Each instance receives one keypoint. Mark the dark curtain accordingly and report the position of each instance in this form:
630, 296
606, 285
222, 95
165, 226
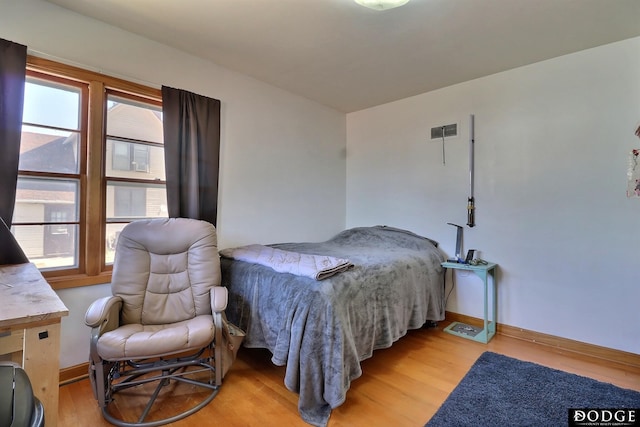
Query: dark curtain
192, 153
13, 65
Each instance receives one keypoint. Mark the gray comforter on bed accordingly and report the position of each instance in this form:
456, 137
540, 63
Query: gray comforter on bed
321, 330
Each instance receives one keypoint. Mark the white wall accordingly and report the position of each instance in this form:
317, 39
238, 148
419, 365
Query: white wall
552, 147
282, 156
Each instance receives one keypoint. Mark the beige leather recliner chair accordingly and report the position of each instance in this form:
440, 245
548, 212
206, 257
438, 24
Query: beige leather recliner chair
164, 320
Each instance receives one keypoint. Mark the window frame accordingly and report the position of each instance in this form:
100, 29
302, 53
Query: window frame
92, 269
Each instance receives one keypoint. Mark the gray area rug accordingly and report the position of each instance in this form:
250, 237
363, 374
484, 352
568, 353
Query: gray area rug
501, 391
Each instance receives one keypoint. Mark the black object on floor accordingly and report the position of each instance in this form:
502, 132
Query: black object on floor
18, 406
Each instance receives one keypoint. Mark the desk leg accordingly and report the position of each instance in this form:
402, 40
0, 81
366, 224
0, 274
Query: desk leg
41, 361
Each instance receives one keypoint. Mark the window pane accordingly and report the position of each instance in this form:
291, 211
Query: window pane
49, 246
131, 120
140, 158
44, 200
48, 150
134, 153
51, 105
127, 201
121, 155
137, 161
112, 234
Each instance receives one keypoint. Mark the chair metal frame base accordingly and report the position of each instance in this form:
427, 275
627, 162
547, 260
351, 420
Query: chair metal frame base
109, 378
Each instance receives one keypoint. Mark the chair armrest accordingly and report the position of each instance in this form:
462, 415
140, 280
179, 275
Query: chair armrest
219, 298
103, 310
103, 315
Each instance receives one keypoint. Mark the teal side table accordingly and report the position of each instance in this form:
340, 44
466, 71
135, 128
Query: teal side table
484, 272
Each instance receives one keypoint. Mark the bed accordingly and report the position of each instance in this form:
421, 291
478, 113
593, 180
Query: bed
322, 329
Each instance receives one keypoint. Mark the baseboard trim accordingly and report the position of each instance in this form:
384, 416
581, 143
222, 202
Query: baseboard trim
564, 344
74, 373
80, 372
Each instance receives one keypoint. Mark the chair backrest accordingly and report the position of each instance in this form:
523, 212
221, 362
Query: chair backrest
164, 269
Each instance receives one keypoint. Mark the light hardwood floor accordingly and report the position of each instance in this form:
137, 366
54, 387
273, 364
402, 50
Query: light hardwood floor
401, 386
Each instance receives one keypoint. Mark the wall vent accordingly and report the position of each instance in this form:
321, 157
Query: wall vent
445, 131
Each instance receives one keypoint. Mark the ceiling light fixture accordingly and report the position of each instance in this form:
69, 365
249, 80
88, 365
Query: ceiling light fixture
381, 4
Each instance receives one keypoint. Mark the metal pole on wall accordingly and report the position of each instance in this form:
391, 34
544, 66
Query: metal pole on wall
471, 221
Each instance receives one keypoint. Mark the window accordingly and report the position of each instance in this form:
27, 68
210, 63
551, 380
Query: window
128, 157
135, 176
129, 202
91, 160
46, 218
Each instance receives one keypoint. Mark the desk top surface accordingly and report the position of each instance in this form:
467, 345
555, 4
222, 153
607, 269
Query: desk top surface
26, 297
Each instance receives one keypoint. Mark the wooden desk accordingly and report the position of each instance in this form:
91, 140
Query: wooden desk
30, 316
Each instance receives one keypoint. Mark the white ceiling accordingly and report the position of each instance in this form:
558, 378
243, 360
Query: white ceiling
349, 57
